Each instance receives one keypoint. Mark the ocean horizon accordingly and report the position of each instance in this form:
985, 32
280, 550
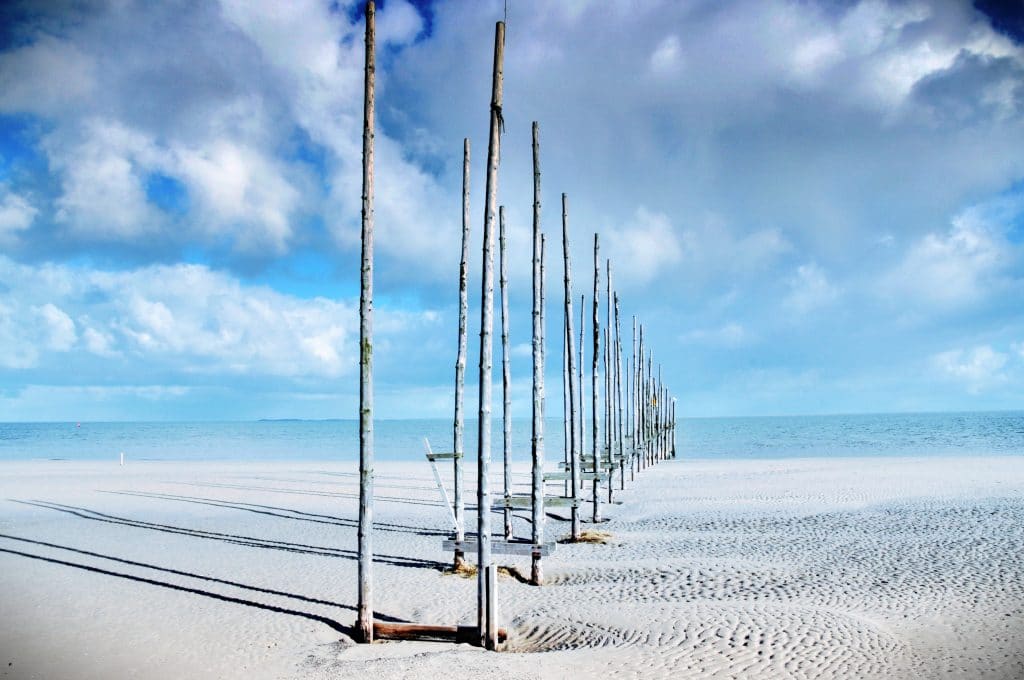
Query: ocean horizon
741, 437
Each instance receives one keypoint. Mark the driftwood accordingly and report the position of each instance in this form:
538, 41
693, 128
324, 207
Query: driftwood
423, 631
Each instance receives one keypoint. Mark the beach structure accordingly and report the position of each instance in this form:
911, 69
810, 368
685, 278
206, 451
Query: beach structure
606, 451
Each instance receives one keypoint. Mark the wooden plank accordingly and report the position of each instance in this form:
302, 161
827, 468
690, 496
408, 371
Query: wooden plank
562, 502
426, 631
440, 456
503, 547
558, 476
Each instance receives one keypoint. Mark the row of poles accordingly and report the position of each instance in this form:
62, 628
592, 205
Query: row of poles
631, 427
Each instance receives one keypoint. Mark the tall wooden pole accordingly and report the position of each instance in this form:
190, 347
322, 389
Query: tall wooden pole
506, 375
632, 402
485, 594
579, 384
364, 609
537, 470
537, 536
575, 440
460, 365
607, 407
595, 397
566, 422
620, 421
609, 428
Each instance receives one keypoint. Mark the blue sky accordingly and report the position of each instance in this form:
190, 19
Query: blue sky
813, 207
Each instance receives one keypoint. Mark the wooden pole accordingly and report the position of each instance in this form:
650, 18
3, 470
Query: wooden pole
632, 402
595, 396
506, 375
609, 428
537, 442
574, 441
607, 408
460, 366
485, 595
620, 421
582, 401
537, 537
566, 422
364, 608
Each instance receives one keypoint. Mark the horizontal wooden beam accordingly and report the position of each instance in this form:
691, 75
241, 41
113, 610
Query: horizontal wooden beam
426, 631
500, 547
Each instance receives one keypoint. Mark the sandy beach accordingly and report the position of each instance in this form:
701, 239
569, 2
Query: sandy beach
805, 568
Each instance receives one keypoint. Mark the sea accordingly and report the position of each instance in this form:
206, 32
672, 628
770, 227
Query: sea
904, 434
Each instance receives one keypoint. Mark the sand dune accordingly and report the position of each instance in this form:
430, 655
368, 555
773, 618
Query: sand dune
848, 568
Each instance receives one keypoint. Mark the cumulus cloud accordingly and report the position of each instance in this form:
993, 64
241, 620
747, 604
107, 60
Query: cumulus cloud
644, 247
955, 268
977, 368
730, 335
16, 214
810, 289
185, 318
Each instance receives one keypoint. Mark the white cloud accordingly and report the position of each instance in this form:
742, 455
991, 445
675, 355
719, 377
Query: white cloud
667, 56
183, 318
644, 247
16, 214
60, 330
810, 289
978, 368
952, 269
730, 335
69, 75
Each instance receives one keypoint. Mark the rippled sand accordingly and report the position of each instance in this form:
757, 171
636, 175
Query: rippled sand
849, 568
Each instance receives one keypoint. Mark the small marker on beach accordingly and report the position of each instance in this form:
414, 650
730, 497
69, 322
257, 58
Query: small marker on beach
122, 458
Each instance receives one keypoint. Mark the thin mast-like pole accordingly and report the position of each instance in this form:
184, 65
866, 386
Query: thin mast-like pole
582, 401
460, 365
364, 608
595, 416
609, 428
506, 376
574, 441
537, 441
537, 536
634, 441
485, 594
618, 394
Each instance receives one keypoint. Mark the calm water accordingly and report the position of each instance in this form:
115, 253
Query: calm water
999, 433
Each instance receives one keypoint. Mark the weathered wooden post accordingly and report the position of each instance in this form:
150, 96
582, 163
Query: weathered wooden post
364, 608
582, 401
574, 441
537, 516
506, 376
607, 409
485, 594
595, 397
635, 439
618, 395
537, 448
460, 368
566, 422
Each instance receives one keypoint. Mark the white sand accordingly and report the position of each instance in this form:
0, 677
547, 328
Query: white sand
851, 568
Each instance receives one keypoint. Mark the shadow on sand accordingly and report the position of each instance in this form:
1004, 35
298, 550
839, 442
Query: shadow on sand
249, 541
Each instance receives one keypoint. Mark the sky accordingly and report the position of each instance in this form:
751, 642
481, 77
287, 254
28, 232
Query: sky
811, 206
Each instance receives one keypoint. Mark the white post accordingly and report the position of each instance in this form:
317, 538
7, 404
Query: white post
364, 610
506, 375
485, 594
460, 365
